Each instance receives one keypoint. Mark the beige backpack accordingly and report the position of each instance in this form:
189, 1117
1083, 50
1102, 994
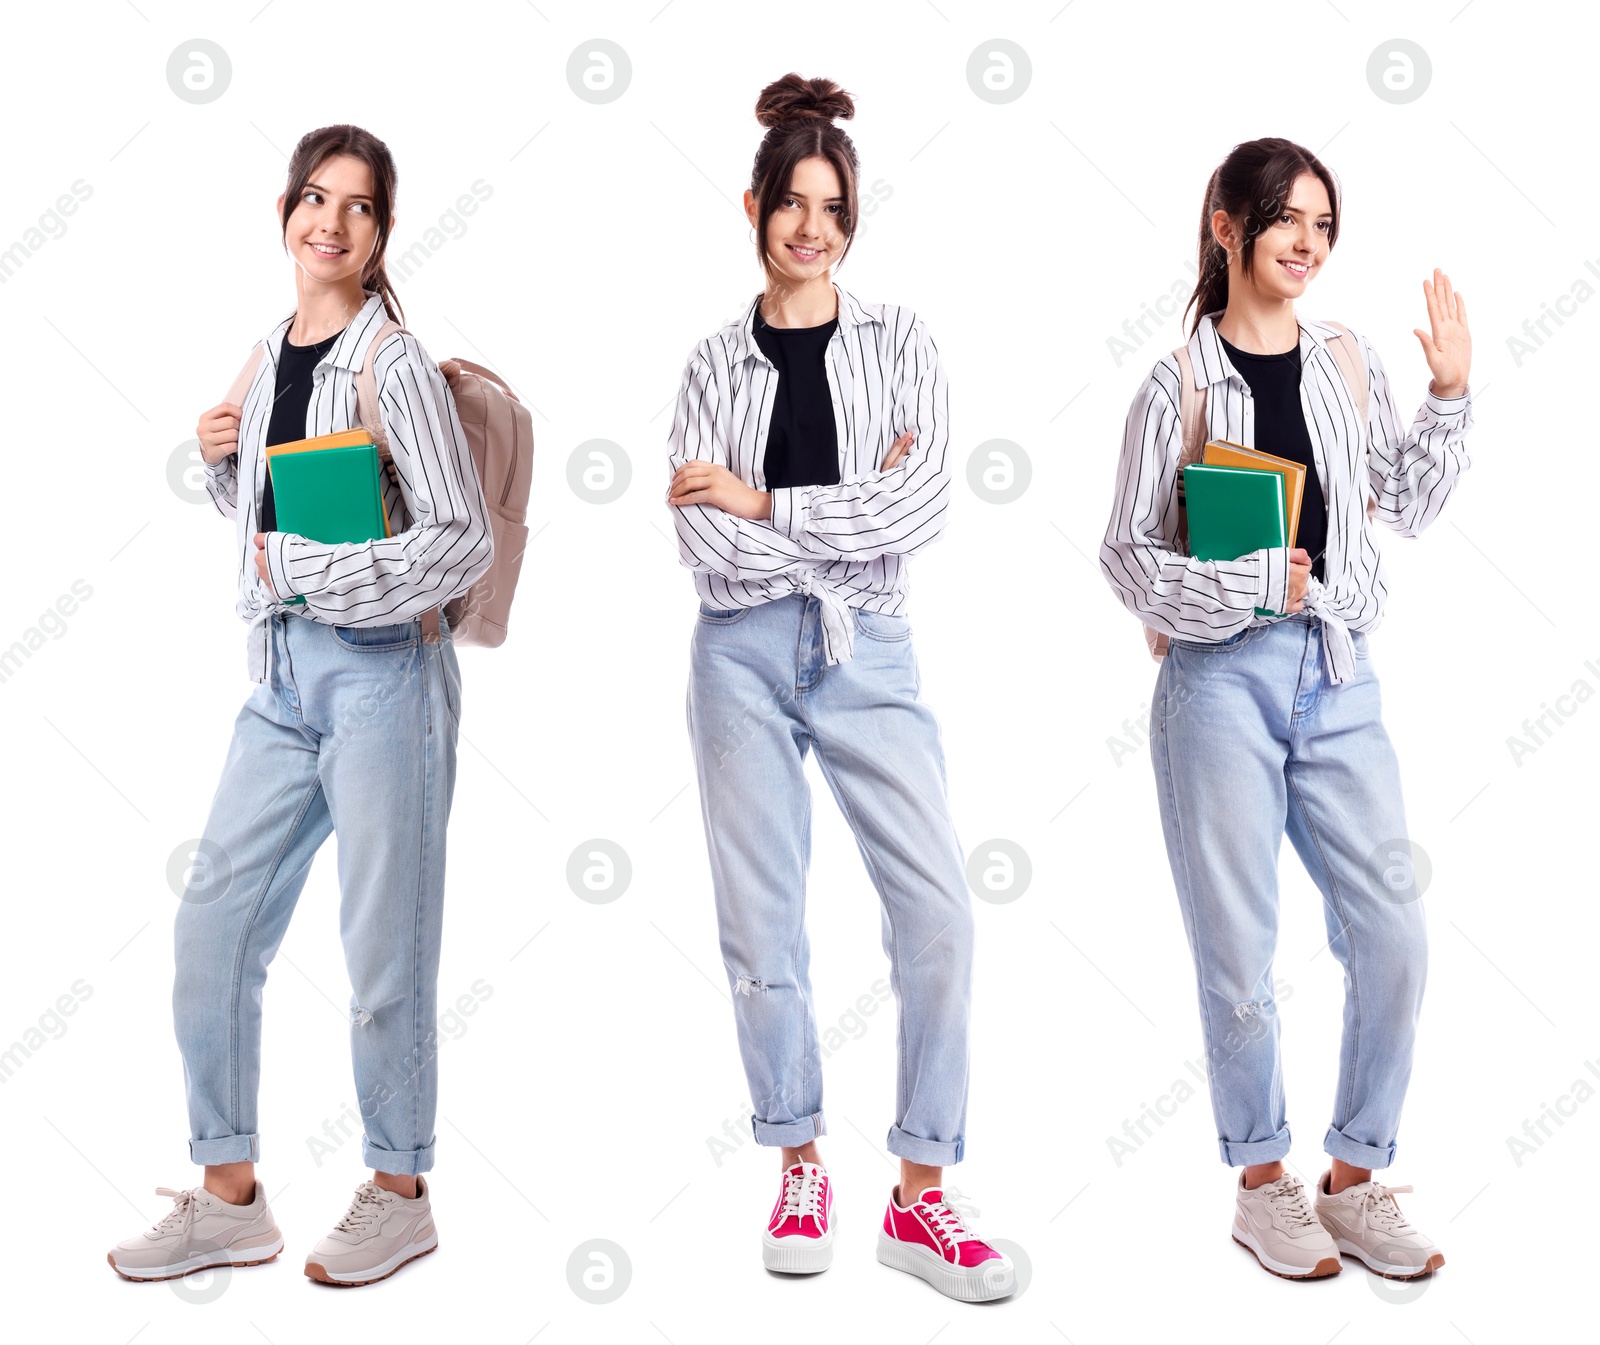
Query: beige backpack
1192, 422
499, 432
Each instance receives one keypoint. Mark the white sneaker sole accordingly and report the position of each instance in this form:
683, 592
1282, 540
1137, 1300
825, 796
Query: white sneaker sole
1397, 1271
349, 1278
212, 1260
980, 1284
797, 1256
1328, 1265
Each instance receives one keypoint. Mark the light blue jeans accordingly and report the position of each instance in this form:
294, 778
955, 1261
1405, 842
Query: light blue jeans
1249, 739
761, 696
353, 731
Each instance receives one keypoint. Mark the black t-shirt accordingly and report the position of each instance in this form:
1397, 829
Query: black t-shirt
802, 440
290, 400
1281, 429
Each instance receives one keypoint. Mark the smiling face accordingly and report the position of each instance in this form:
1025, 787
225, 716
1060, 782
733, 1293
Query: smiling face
333, 229
1290, 250
805, 232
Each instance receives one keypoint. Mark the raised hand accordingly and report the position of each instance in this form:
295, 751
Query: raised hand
1448, 348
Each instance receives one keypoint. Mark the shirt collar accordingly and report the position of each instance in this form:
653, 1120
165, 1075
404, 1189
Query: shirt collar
1210, 359
351, 347
852, 313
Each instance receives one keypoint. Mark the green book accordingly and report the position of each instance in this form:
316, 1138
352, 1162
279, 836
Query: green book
328, 488
1233, 511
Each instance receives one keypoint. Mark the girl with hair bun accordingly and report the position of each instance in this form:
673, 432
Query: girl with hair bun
1266, 716
810, 458
351, 728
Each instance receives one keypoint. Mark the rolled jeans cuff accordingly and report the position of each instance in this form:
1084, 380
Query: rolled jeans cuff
226, 1149
934, 1153
1237, 1153
789, 1134
1347, 1150
410, 1163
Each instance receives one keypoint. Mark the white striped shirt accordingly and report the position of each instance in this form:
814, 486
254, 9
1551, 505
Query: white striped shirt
1411, 475
441, 541
847, 543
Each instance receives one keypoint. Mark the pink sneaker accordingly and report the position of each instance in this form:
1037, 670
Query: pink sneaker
932, 1240
799, 1235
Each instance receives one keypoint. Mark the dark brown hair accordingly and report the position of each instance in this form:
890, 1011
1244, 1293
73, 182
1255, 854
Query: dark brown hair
798, 114
315, 149
1251, 185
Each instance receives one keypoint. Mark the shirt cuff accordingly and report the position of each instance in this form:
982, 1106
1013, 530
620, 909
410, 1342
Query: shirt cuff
223, 469
284, 549
1444, 407
791, 511
1272, 579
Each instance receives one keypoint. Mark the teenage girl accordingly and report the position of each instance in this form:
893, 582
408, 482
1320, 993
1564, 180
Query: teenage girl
1264, 723
810, 457
352, 727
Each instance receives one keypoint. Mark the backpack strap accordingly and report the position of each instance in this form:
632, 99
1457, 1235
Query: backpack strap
371, 418
367, 390
1347, 355
1346, 352
1192, 426
239, 390
1191, 409
241, 385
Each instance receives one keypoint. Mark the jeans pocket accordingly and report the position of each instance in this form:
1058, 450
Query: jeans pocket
451, 670
1359, 639
881, 626
722, 616
377, 639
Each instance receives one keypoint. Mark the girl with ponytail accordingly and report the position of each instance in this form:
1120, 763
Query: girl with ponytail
351, 728
810, 458
1265, 716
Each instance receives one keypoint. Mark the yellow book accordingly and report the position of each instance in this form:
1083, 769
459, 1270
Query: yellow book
338, 439
1224, 453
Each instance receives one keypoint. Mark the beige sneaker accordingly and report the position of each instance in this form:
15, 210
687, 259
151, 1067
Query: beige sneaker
1366, 1222
379, 1233
1275, 1222
200, 1232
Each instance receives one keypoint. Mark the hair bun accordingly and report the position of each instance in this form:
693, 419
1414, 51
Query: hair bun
792, 99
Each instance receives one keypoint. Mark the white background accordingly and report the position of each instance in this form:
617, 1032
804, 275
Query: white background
581, 1097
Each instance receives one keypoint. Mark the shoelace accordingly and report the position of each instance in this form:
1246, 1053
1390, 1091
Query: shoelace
948, 1223
1383, 1210
179, 1215
1288, 1197
957, 1200
366, 1207
802, 1195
